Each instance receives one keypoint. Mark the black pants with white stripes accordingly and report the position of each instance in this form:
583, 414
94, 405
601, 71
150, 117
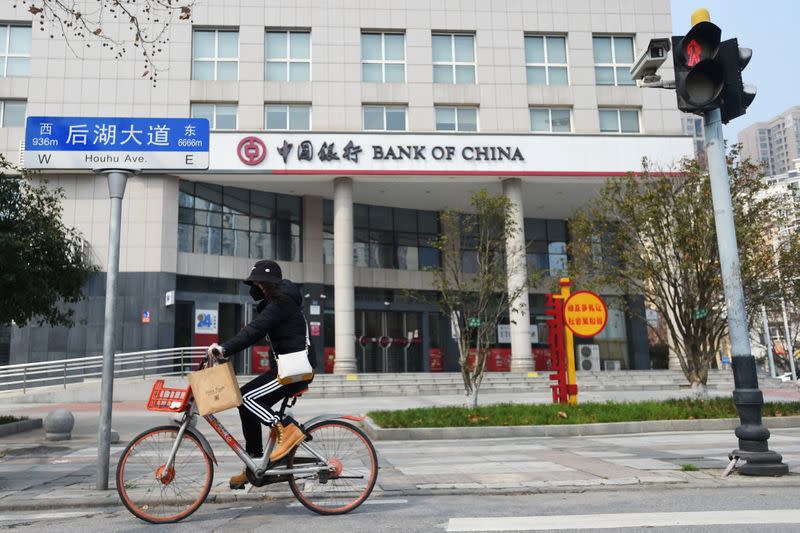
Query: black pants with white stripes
258, 397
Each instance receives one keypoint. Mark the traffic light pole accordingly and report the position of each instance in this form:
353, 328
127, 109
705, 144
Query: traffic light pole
749, 400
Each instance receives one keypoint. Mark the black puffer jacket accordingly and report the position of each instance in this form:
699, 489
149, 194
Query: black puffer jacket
280, 319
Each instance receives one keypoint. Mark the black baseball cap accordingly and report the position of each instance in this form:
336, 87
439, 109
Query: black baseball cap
265, 271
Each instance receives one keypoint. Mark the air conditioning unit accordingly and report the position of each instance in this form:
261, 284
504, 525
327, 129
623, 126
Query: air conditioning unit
588, 358
612, 364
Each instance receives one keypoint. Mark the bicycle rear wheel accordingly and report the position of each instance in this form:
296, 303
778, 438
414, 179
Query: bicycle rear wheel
175, 495
355, 463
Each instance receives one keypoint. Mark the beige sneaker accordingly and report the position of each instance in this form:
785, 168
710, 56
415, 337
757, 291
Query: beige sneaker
288, 437
238, 481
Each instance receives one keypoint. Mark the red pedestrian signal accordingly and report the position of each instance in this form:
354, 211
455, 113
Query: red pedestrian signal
693, 51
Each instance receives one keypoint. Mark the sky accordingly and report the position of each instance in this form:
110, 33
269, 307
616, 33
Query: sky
768, 27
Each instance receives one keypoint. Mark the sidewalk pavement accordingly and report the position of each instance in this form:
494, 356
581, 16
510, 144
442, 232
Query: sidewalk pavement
38, 474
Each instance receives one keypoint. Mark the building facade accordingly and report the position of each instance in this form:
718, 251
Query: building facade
693, 126
775, 143
338, 135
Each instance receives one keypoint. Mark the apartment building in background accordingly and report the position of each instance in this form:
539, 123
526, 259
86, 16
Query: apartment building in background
774, 143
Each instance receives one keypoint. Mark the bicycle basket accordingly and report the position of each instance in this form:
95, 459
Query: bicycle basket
166, 399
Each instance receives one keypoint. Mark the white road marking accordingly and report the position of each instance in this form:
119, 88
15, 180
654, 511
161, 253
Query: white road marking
623, 520
377, 501
236, 508
24, 517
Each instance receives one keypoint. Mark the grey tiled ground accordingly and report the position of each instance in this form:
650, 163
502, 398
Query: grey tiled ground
35, 473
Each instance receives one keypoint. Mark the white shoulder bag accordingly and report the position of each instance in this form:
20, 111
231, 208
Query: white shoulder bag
294, 367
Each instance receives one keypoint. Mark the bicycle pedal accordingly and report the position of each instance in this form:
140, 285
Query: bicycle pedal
235, 486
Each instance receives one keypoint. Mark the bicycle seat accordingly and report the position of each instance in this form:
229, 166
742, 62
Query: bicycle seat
299, 393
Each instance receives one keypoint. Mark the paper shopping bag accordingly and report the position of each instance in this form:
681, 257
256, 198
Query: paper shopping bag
215, 389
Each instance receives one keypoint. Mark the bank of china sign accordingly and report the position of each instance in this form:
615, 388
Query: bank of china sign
96, 143
427, 154
319, 153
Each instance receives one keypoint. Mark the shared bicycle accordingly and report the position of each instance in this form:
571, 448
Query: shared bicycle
166, 472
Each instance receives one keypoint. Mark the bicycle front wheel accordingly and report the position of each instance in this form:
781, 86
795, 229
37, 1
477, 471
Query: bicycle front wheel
155, 494
354, 468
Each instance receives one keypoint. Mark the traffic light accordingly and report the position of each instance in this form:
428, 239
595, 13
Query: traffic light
736, 96
699, 74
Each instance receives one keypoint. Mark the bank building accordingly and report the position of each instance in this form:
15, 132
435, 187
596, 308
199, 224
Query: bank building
339, 131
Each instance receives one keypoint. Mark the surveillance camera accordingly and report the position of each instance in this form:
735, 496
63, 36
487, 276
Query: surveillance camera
646, 65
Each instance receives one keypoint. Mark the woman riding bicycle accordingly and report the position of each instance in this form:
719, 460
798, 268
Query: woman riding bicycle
280, 317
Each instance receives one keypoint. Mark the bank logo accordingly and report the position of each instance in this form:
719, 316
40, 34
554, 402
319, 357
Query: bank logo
251, 151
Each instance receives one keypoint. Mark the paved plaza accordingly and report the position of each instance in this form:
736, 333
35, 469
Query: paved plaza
37, 474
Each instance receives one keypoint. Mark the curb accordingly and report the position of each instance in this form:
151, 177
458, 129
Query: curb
111, 499
567, 430
19, 427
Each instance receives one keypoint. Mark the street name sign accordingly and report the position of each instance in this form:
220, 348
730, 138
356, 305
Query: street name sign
99, 143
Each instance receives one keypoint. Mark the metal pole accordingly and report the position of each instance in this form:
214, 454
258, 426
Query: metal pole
789, 348
768, 343
749, 400
116, 190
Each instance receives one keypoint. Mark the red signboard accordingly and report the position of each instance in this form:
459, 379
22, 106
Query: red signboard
436, 359
330, 359
541, 358
499, 360
260, 360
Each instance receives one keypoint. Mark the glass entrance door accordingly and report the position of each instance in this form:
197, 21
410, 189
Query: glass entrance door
388, 341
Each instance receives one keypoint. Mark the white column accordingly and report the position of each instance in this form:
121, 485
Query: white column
521, 358
344, 296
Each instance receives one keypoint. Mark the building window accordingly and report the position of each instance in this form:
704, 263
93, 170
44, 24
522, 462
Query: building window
546, 243
215, 55
288, 55
386, 237
13, 113
550, 120
619, 120
453, 58
384, 118
220, 116
613, 56
456, 118
383, 57
15, 50
287, 117
237, 222
546, 60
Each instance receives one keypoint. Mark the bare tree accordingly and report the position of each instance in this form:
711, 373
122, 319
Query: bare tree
144, 25
654, 235
475, 295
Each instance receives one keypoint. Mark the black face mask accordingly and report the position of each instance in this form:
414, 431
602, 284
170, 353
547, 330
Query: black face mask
256, 293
